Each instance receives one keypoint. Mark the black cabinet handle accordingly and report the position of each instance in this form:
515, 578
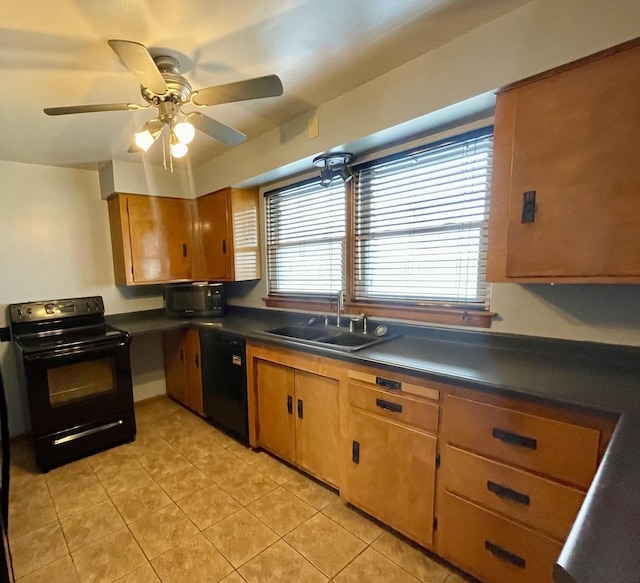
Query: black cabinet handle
528, 207
503, 555
508, 493
514, 438
388, 406
197, 361
388, 383
181, 355
290, 404
300, 409
224, 246
355, 452
184, 249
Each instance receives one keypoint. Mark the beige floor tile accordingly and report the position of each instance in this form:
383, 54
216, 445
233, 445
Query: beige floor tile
274, 469
194, 445
78, 496
246, 454
234, 577
60, 571
91, 524
281, 510
373, 567
140, 502
111, 459
354, 521
69, 475
37, 549
183, 482
162, 530
280, 563
127, 476
108, 558
220, 465
241, 537
30, 507
208, 506
218, 436
162, 461
195, 560
247, 484
326, 544
311, 492
414, 560
144, 574
460, 578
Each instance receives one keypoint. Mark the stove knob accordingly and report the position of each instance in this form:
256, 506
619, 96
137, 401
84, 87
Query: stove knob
29, 310
19, 311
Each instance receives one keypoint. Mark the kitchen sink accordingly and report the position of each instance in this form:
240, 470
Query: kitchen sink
329, 337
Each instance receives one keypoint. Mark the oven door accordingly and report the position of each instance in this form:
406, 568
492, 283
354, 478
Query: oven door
76, 386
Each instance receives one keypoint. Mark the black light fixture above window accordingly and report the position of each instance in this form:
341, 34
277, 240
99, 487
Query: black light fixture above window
334, 164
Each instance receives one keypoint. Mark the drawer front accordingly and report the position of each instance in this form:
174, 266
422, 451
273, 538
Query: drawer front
493, 548
399, 408
389, 382
560, 450
535, 501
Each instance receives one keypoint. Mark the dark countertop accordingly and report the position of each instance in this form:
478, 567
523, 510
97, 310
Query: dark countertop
604, 543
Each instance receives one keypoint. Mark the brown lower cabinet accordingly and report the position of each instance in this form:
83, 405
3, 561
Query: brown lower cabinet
297, 411
182, 366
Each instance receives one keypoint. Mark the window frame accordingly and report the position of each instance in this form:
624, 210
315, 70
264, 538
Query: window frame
413, 311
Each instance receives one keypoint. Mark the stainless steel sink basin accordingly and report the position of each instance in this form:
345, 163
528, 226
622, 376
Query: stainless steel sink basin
329, 337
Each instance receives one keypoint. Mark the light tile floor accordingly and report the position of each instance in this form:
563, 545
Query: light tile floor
185, 502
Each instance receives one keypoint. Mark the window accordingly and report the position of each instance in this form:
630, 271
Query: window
420, 224
306, 240
406, 238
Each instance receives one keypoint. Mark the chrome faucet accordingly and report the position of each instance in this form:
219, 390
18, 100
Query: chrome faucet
340, 308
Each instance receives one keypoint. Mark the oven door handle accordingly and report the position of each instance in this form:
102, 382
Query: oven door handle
80, 350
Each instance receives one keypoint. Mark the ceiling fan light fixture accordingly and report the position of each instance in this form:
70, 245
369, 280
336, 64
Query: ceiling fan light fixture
144, 140
185, 132
178, 149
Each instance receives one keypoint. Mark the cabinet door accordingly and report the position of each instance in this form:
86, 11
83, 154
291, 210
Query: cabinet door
193, 371
214, 243
575, 143
174, 364
160, 234
317, 419
276, 431
391, 474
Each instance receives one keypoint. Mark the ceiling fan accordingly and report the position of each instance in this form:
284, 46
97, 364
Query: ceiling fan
162, 86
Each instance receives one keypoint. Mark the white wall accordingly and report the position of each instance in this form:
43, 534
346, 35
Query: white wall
55, 243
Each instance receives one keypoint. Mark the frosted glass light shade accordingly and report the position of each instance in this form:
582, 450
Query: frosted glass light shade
185, 132
179, 149
144, 140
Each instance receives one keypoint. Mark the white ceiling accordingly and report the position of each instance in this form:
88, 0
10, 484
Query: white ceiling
55, 53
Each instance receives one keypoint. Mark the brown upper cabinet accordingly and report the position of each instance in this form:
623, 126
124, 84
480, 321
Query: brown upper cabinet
159, 239
565, 203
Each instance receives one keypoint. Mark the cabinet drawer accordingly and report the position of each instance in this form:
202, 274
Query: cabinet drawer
538, 502
493, 548
397, 407
395, 383
554, 448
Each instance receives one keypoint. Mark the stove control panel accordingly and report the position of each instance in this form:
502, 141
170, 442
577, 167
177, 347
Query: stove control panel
56, 309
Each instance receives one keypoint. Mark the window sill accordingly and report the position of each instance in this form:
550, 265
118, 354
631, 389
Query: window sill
427, 314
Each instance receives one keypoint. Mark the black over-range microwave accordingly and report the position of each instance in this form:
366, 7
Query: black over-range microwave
185, 300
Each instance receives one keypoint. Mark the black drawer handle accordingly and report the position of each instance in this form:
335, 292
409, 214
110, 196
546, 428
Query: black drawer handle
388, 383
388, 406
503, 555
514, 438
184, 249
290, 404
300, 409
508, 493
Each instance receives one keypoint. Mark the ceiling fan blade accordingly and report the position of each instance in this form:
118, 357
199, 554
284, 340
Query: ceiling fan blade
137, 59
268, 86
93, 108
215, 129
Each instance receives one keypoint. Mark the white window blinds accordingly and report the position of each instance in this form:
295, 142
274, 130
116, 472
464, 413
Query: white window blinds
421, 224
306, 239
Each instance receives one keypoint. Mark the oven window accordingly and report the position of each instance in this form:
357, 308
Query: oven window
81, 380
